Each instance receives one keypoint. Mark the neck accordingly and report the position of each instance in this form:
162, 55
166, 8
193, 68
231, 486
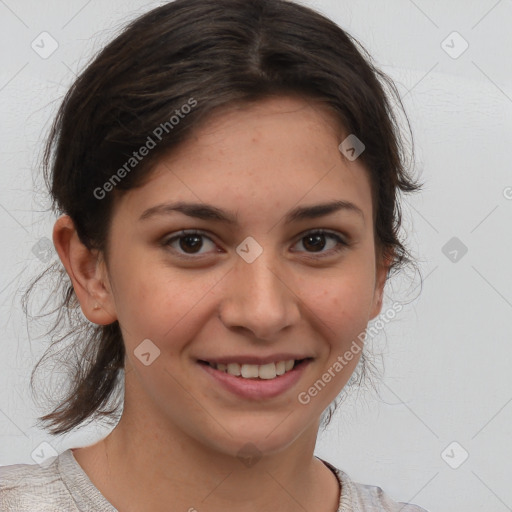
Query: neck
147, 463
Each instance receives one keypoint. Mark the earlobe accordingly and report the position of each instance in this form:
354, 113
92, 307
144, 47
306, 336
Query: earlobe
86, 271
377, 304
380, 282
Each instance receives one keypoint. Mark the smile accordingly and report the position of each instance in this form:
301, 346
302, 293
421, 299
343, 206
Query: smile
253, 371
251, 381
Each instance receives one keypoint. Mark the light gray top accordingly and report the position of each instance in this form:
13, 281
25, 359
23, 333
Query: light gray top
63, 485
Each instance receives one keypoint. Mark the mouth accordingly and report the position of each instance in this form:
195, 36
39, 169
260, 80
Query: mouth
267, 371
255, 382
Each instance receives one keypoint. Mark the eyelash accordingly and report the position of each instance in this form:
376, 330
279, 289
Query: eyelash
341, 243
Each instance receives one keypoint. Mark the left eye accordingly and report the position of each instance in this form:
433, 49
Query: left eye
316, 240
190, 242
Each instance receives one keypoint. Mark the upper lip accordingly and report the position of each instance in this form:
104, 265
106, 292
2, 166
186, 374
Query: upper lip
254, 359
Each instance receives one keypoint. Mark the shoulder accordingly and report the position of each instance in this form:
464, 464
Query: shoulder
29, 487
371, 497
367, 498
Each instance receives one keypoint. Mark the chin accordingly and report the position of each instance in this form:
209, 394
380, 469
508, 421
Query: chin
260, 438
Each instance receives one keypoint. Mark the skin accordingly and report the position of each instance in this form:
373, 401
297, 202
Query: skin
176, 445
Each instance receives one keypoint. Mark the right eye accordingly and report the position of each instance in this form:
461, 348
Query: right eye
188, 241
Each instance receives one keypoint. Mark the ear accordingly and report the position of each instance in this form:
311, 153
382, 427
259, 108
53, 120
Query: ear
384, 261
87, 271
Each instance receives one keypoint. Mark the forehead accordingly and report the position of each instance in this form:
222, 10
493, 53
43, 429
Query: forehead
276, 153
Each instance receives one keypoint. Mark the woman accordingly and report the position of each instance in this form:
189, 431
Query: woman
227, 174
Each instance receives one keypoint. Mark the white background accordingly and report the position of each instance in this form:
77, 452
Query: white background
447, 354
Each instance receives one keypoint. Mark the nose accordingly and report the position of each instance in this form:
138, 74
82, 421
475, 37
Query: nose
259, 297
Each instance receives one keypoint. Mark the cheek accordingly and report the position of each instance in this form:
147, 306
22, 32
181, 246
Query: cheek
342, 303
159, 305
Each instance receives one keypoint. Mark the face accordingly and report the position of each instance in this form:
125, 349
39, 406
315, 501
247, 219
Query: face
265, 286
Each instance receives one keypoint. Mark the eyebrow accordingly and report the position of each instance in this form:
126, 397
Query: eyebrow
209, 212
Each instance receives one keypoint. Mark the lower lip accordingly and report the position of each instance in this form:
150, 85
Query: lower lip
257, 389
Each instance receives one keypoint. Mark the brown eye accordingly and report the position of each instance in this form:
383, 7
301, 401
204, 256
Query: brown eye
316, 241
190, 241
187, 243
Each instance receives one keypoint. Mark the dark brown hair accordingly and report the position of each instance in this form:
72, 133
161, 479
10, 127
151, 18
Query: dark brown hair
213, 54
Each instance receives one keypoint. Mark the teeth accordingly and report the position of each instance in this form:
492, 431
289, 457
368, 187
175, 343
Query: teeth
232, 368
267, 371
249, 371
280, 367
254, 371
